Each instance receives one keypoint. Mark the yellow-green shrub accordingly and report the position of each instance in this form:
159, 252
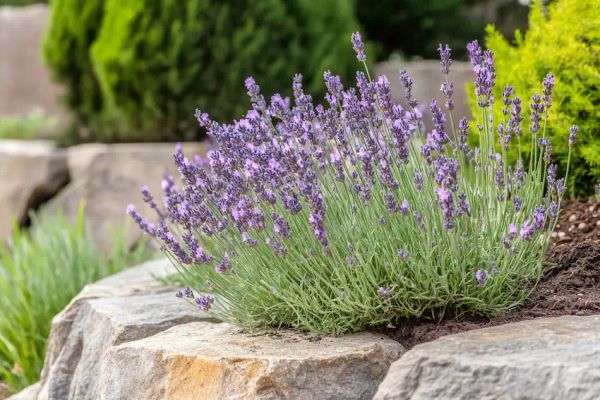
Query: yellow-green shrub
564, 39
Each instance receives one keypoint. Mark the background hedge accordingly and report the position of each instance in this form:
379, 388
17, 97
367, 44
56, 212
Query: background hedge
135, 70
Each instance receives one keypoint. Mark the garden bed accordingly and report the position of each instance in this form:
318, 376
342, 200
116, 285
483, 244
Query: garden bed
568, 287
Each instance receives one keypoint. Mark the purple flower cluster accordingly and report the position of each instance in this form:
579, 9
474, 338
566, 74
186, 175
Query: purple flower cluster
483, 66
272, 174
276, 157
203, 302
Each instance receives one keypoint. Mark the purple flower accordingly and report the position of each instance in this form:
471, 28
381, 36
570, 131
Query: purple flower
205, 302
526, 231
418, 180
463, 205
438, 136
200, 257
552, 177
407, 82
548, 86
506, 94
276, 246
573, 134
553, 210
512, 231
403, 254
446, 201
392, 205
384, 293
358, 46
281, 226
518, 203
146, 226
537, 110
560, 186
539, 216
185, 293
404, 207
445, 54
494, 267
481, 276
223, 266
463, 129
483, 66
247, 240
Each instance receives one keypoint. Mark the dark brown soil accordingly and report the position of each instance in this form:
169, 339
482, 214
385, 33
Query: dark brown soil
570, 285
579, 220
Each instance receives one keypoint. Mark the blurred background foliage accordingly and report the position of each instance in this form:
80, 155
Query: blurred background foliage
414, 28
135, 70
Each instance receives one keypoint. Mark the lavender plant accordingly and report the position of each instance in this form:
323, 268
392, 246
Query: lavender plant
339, 216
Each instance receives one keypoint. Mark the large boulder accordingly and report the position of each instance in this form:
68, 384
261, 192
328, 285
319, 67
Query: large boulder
545, 359
108, 178
203, 360
428, 78
30, 172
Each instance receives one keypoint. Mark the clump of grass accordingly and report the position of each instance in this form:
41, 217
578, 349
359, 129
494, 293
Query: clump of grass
333, 218
30, 126
40, 272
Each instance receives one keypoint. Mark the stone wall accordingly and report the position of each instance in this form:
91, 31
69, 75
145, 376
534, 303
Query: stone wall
24, 81
38, 175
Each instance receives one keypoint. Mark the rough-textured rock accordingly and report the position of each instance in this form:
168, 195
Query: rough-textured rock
30, 172
139, 280
545, 359
202, 360
24, 81
102, 324
127, 306
428, 79
109, 177
29, 393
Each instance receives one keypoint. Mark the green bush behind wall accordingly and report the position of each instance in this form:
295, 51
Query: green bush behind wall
564, 39
135, 70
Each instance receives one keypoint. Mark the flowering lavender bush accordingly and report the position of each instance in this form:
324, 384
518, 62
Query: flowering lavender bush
335, 217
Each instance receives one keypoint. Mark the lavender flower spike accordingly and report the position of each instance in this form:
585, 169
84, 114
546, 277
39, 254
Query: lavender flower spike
205, 302
573, 134
445, 54
482, 276
358, 46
